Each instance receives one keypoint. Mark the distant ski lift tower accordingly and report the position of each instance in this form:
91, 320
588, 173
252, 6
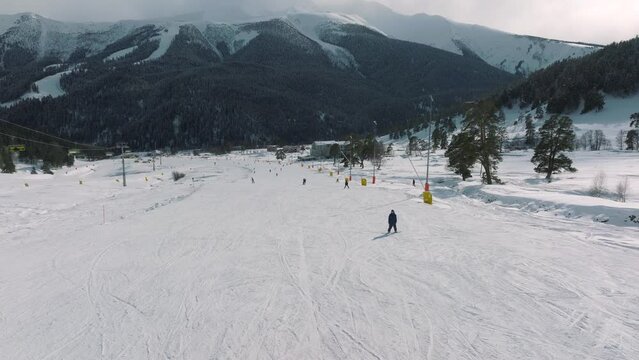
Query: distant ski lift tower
430, 124
350, 162
123, 146
374, 146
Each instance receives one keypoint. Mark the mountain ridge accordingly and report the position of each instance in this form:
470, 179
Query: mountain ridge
518, 54
249, 84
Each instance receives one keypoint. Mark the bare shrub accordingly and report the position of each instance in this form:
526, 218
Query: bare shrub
598, 187
622, 189
178, 175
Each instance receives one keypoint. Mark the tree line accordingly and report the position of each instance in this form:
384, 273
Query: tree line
567, 84
482, 135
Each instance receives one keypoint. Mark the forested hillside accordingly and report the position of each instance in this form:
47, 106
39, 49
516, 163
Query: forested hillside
269, 84
567, 85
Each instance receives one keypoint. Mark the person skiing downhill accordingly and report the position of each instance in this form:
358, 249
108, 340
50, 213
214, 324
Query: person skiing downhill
304, 181
346, 183
392, 221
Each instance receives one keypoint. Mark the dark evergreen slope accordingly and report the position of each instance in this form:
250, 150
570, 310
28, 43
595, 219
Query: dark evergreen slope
413, 71
564, 85
280, 87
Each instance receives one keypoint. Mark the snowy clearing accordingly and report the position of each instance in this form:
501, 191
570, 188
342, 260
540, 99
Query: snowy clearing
120, 54
614, 117
165, 38
215, 267
48, 86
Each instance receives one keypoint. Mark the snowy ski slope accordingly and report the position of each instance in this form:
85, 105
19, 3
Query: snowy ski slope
214, 267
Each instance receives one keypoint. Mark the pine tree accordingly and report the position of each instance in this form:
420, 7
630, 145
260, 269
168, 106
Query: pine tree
480, 140
436, 137
632, 140
556, 136
8, 167
530, 131
462, 154
444, 142
280, 154
334, 152
634, 120
46, 168
413, 145
620, 139
593, 100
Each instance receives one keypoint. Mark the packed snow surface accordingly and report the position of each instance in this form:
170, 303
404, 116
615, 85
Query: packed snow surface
120, 54
215, 267
165, 38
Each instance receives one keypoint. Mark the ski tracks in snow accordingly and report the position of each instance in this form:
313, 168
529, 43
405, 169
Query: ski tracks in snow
279, 270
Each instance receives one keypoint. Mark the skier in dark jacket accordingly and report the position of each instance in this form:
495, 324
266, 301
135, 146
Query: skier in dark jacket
392, 221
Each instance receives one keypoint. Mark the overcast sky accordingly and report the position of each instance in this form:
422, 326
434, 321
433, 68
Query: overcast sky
598, 21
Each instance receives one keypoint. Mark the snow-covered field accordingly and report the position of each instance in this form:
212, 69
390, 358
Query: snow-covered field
215, 267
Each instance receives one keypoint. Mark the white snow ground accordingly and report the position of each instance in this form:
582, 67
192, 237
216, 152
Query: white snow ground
214, 267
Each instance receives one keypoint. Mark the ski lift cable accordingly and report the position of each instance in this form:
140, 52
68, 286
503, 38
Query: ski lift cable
45, 143
416, 173
53, 136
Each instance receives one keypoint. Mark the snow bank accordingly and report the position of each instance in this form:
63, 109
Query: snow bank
568, 195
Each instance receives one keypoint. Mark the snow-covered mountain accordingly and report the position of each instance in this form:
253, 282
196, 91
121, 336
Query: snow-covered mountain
26, 37
509, 52
31, 36
293, 78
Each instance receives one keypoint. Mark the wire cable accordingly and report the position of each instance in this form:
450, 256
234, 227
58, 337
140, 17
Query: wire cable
49, 144
416, 173
53, 136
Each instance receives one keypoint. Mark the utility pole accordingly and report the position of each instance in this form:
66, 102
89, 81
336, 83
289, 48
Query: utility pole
122, 146
350, 162
430, 124
374, 148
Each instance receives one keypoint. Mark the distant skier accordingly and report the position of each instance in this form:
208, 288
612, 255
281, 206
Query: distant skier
346, 183
304, 181
392, 221
252, 180
413, 182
